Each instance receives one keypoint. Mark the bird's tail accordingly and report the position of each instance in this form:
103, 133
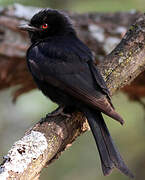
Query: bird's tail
109, 155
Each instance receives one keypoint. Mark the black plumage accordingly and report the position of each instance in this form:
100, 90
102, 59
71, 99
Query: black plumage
63, 70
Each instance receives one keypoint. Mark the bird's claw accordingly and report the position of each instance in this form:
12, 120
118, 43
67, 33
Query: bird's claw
58, 111
65, 114
53, 114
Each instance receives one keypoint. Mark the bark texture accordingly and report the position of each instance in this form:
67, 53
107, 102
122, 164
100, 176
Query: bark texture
45, 141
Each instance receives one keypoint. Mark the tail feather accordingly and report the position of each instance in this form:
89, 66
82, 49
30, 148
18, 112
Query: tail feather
109, 155
107, 164
113, 152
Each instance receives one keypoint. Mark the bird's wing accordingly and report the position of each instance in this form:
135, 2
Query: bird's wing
98, 78
73, 76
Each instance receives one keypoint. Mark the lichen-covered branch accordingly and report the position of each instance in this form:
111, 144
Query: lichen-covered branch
40, 145
44, 142
127, 60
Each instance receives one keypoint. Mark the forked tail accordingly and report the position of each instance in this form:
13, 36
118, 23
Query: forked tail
109, 155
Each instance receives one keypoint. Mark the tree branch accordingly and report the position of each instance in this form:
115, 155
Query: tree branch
127, 60
45, 141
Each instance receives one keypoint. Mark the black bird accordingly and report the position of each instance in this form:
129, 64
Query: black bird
62, 67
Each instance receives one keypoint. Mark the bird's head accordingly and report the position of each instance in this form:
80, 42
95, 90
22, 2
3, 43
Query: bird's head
48, 23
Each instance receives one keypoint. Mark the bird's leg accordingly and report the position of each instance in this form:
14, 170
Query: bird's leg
58, 111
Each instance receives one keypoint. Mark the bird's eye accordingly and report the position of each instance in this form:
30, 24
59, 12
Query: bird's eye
44, 26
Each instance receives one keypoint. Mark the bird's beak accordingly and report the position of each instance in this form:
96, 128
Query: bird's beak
26, 27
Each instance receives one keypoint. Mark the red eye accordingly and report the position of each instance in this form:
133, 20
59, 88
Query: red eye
44, 26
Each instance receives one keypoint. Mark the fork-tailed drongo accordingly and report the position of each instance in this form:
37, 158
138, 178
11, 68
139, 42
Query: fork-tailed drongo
63, 69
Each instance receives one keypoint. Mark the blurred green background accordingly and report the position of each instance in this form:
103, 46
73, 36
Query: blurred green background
83, 5
81, 161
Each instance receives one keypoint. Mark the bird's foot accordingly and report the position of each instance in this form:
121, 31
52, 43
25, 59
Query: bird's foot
65, 114
58, 111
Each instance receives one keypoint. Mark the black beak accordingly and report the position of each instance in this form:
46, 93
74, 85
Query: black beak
26, 27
